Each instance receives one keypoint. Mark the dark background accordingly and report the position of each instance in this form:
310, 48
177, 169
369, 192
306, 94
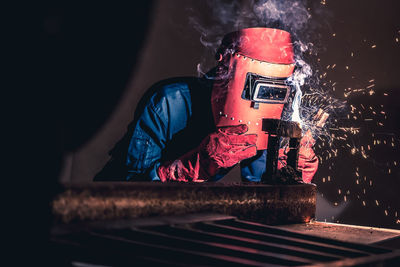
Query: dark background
78, 71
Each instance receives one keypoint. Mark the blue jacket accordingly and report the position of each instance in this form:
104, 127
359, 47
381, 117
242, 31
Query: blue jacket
173, 119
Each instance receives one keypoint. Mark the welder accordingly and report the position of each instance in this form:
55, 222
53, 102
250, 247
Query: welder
197, 129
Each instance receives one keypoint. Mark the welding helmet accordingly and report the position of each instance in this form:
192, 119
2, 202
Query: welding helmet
251, 79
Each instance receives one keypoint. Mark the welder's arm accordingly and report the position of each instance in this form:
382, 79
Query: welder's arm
146, 144
156, 126
307, 161
308, 164
222, 149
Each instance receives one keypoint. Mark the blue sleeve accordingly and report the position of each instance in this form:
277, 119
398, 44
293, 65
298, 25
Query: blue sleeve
165, 114
252, 169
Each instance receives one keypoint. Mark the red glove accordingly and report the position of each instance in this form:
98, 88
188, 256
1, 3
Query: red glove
308, 161
222, 149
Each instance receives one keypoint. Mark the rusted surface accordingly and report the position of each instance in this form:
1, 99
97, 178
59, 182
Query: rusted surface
269, 204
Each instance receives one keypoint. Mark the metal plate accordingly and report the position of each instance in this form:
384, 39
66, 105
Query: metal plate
212, 240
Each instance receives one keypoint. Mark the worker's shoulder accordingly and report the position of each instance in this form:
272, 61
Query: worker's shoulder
175, 88
176, 85
175, 92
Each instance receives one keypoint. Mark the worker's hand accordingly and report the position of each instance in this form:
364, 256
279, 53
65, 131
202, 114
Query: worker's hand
222, 149
307, 161
230, 145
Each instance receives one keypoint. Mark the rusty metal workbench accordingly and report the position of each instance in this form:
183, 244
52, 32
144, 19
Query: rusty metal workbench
211, 224
124, 200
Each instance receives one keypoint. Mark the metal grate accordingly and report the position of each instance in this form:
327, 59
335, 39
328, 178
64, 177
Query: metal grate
199, 241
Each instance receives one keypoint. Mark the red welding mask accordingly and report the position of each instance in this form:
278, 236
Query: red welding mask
251, 79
